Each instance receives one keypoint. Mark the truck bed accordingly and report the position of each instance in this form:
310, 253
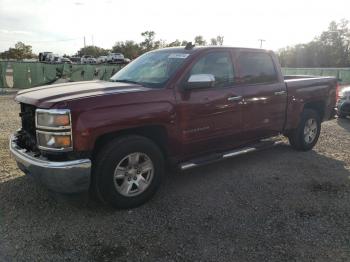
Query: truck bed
309, 90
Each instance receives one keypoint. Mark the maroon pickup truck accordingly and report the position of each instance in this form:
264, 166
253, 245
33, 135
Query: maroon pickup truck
186, 106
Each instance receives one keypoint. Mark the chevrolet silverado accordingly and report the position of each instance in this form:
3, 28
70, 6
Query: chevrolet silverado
187, 106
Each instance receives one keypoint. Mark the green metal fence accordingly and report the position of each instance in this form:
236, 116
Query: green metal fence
342, 74
31, 74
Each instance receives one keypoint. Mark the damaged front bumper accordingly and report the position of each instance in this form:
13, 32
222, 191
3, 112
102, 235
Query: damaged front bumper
63, 177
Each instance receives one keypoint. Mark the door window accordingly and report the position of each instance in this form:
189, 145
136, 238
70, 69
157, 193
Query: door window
257, 68
218, 64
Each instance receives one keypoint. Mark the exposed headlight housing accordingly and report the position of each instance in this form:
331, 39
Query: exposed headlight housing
54, 129
60, 141
54, 119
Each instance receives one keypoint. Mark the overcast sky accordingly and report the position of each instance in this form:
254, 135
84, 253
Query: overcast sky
60, 26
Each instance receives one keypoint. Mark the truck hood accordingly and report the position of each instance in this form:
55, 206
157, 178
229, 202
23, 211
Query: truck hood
47, 96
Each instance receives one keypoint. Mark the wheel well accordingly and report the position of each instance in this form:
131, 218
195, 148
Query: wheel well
156, 133
318, 106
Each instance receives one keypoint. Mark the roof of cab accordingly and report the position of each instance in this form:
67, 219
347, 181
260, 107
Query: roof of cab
202, 48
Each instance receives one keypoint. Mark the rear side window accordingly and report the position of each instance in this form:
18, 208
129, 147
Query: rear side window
257, 68
218, 64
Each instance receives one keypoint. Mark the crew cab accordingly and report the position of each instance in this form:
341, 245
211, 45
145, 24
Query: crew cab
184, 106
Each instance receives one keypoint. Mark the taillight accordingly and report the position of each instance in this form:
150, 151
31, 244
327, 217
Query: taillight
337, 90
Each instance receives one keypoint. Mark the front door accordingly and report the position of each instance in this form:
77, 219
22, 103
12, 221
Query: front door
209, 118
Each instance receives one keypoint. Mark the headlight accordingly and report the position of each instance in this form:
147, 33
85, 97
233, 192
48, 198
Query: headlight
54, 129
53, 119
60, 141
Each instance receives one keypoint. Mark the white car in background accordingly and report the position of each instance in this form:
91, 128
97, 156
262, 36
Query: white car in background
75, 59
50, 57
88, 59
91, 60
53, 58
115, 58
65, 60
101, 59
44, 56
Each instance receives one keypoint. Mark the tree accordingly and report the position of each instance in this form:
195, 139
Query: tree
330, 49
175, 43
21, 51
336, 41
129, 49
184, 43
159, 44
148, 43
94, 51
213, 41
199, 40
220, 40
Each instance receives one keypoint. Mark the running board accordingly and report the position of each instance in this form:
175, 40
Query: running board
220, 156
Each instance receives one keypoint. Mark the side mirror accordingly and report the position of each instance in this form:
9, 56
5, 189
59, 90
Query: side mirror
200, 81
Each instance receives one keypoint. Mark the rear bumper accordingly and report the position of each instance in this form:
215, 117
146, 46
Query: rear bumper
63, 177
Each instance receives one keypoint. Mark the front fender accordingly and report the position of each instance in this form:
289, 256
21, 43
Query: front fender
92, 124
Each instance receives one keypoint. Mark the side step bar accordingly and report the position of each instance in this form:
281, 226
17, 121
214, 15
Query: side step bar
220, 156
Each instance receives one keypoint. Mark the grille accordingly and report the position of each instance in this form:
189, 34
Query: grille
26, 137
28, 118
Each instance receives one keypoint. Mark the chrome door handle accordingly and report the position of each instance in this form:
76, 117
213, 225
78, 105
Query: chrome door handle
280, 93
234, 98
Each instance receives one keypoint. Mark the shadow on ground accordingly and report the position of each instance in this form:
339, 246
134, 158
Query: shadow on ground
344, 123
274, 205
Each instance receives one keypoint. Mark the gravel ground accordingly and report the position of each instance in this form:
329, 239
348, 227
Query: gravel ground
274, 205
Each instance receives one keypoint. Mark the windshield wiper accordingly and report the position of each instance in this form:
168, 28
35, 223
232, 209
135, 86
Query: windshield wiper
127, 81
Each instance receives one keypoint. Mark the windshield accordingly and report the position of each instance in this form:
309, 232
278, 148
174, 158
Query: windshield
151, 69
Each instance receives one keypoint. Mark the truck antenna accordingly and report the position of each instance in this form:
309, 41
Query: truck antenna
189, 46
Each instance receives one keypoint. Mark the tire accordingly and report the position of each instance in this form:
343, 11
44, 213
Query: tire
119, 166
302, 141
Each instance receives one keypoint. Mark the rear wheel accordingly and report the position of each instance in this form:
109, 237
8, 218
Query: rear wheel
305, 137
127, 172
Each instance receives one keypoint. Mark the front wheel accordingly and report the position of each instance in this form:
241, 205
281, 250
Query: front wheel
305, 136
127, 171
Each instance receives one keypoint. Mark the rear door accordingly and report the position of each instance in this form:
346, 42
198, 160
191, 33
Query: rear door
264, 94
209, 118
